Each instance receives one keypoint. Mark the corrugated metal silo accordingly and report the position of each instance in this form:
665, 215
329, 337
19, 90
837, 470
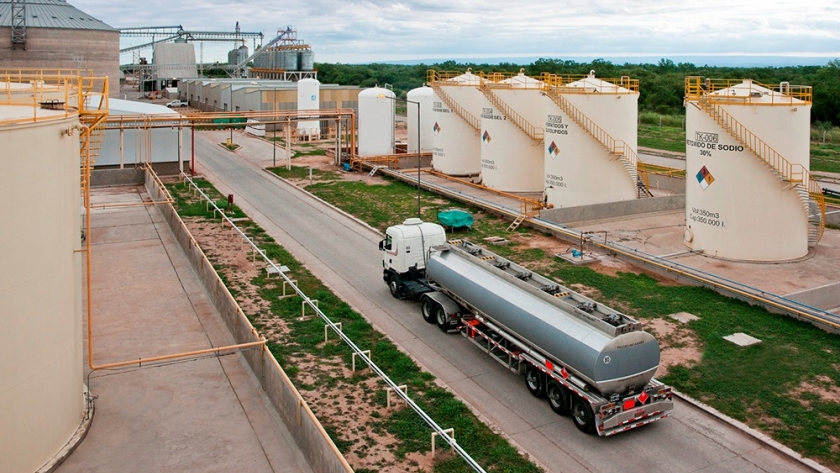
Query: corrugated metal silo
376, 122
590, 140
455, 131
512, 117
175, 60
309, 98
747, 157
41, 378
425, 96
287, 59
306, 60
238, 55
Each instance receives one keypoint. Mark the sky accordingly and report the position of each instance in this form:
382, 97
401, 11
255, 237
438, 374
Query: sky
350, 31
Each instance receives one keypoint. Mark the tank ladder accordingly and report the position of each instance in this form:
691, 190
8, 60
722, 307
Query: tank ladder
455, 107
515, 224
617, 148
535, 133
795, 175
93, 110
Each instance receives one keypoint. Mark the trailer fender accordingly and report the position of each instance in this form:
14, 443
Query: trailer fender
450, 307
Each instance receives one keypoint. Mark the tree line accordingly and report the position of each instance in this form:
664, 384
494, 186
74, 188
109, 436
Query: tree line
662, 85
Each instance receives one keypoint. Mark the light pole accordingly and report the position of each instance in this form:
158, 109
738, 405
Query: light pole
418, 141
274, 125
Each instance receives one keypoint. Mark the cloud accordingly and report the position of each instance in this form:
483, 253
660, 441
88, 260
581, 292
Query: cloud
381, 30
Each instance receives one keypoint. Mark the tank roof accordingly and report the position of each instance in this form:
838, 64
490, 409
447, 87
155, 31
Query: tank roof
592, 83
755, 92
53, 14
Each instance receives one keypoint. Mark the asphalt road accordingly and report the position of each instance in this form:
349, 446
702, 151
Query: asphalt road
344, 254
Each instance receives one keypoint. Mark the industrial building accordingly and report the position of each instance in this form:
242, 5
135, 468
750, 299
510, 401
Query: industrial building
53, 33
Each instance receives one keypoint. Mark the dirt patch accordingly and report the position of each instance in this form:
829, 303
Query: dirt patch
350, 409
678, 344
822, 386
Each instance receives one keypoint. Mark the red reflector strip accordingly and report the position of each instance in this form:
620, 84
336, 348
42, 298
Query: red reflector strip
629, 403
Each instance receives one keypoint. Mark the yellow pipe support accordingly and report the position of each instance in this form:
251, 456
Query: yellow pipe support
186, 354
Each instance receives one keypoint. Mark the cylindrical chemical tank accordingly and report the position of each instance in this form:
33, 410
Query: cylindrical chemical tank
306, 60
611, 364
456, 143
424, 96
579, 168
512, 157
376, 121
41, 387
736, 206
309, 98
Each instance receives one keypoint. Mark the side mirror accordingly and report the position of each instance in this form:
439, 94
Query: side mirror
381, 245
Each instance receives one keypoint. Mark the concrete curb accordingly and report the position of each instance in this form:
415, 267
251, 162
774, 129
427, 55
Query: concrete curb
760, 437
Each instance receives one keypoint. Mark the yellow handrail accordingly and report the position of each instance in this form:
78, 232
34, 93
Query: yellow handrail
747, 91
535, 133
456, 107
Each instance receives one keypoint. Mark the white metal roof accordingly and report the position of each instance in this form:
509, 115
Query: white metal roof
53, 14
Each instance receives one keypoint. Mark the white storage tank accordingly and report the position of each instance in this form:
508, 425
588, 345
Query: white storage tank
738, 207
456, 142
309, 98
376, 122
425, 96
581, 169
512, 157
41, 378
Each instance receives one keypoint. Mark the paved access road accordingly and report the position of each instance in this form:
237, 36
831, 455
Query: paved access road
344, 254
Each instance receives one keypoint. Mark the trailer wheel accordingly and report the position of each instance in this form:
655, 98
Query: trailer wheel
582, 415
393, 285
440, 316
535, 380
427, 307
558, 398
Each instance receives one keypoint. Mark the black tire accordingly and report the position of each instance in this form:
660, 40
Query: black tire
427, 307
582, 415
441, 318
535, 381
558, 398
393, 285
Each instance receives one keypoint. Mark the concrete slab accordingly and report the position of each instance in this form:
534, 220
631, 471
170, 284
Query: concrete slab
585, 258
683, 317
742, 339
203, 413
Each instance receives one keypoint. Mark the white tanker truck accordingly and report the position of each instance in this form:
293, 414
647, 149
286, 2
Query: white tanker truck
587, 359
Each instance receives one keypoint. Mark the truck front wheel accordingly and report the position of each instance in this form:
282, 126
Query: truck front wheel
427, 307
582, 415
558, 398
393, 285
535, 380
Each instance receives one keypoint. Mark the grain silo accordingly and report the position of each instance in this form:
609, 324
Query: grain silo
376, 122
590, 140
424, 96
41, 378
512, 116
748, 190
53, 34
455, 109
309, 98
174, 60
306, 60
240, 54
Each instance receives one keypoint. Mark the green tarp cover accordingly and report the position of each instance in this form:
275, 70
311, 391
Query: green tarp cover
455, 218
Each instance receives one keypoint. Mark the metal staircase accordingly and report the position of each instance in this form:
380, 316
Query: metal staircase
617, 148
475, 123
536, 134
794, 175
93, 110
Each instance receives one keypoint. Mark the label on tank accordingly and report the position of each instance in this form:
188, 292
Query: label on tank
439, 107
490, 114
554, 180
488, 164
554, 125
706, 217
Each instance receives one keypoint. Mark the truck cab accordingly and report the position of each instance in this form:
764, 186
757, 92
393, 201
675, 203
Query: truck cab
405, 251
